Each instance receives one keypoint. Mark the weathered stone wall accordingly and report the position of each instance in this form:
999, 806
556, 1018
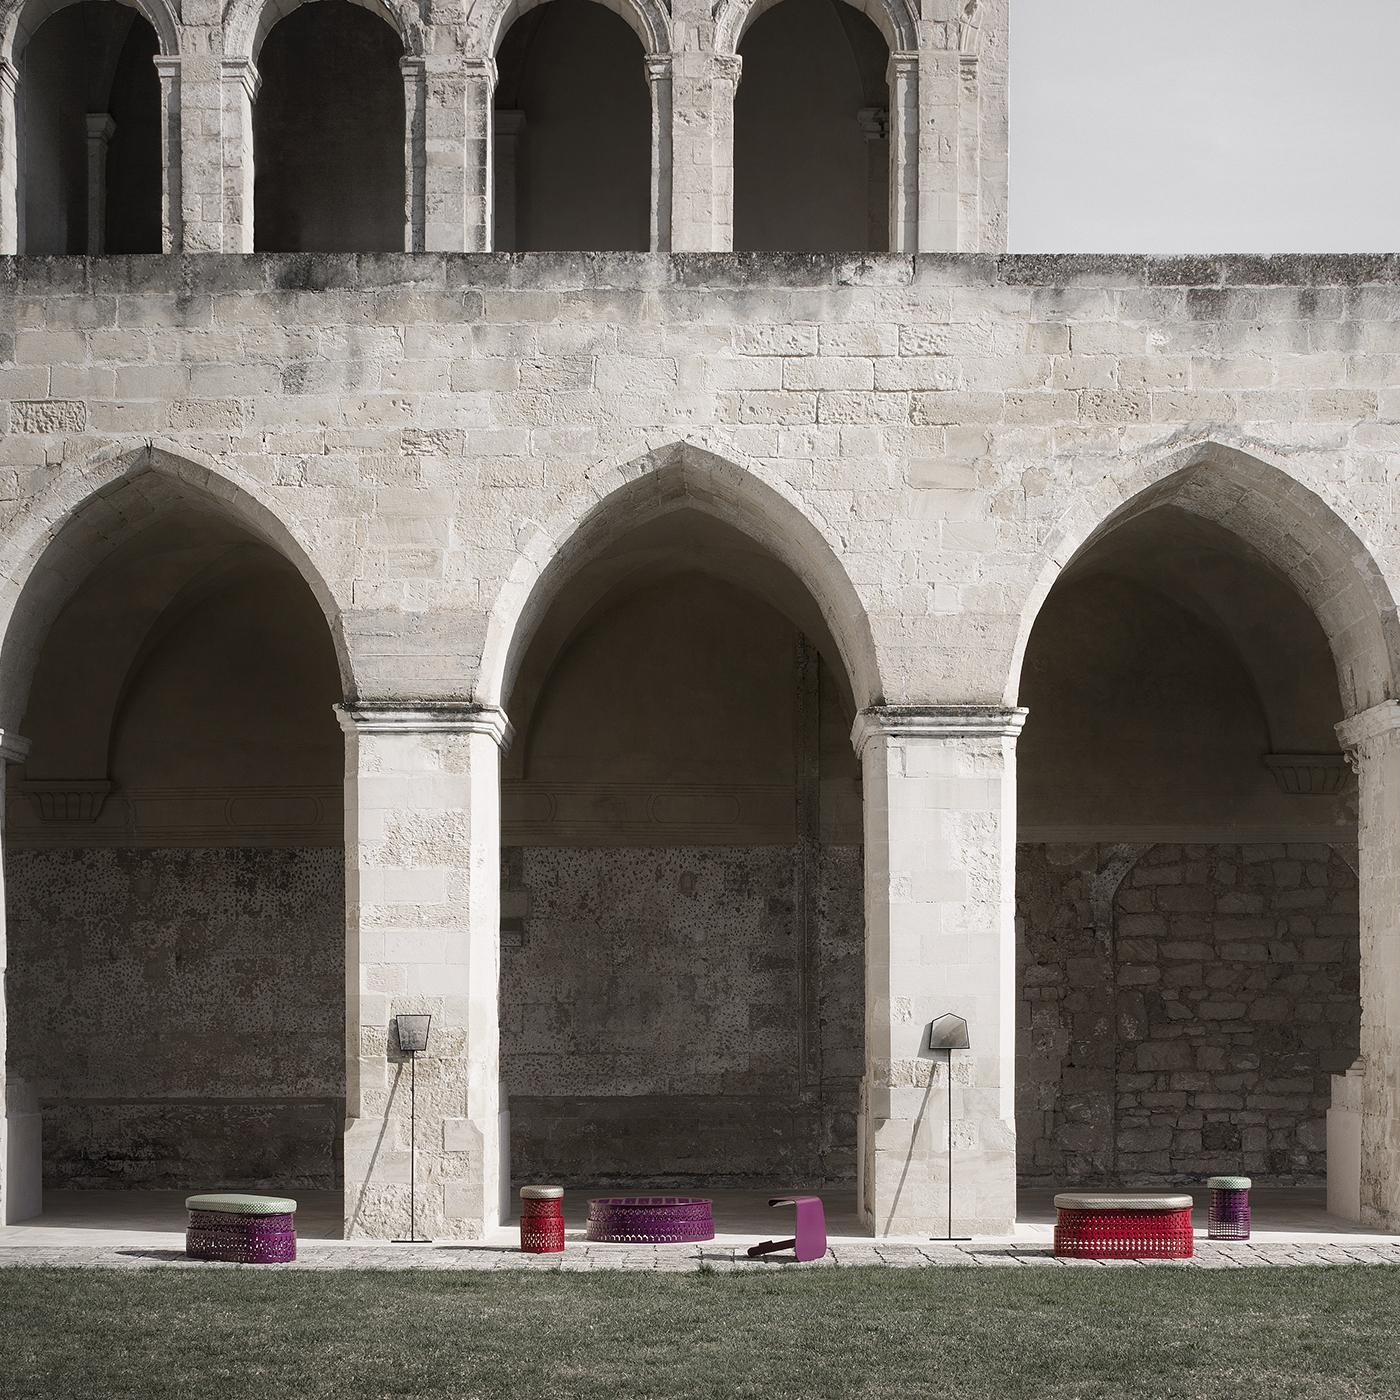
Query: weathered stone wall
180, 1014
1187, 1020
674, 1015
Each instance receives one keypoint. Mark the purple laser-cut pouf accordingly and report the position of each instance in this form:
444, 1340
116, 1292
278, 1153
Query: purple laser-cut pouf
650, 1220
238, 1229
1229, 1208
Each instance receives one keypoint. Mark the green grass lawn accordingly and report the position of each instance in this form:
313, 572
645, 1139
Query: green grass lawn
970, 1333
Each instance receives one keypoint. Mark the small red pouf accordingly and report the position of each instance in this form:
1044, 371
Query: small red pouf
1123, 1227
541, 1219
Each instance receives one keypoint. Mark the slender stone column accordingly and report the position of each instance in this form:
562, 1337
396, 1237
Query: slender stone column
1372, 741
100, 130
172, 213
703, 85
455, 94
21, 1146
904, 139
473, 233
9, 159
875, 132
415, 153
509, 125
937, 99
940, 832
240, 84
662, 121
422, 831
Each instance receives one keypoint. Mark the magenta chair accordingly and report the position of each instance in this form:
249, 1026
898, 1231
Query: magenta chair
810, 1240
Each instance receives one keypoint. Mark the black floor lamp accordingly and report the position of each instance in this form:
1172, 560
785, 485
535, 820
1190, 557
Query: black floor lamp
412, 1032
946, 1034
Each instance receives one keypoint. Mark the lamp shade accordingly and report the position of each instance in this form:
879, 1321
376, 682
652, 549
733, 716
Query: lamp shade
413, 1033
948, 1032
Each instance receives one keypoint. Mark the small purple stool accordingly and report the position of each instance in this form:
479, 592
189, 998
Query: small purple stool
240, 1229
1229, 1208
810, 1240
650, 1220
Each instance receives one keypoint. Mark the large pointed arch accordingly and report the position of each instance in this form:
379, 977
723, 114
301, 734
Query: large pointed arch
677, 477
71, 528
1288, 524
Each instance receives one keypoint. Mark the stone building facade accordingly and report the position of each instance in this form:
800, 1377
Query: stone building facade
684, 673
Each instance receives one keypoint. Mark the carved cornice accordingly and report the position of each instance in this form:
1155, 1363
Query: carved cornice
1360, 729
936, 722
874, 123
67, 799
1309, 774
244, 71
426, 717
13, 747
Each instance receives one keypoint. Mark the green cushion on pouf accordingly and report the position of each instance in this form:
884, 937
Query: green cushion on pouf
235, 1204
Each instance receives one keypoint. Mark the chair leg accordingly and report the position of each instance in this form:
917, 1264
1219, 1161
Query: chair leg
770, 1247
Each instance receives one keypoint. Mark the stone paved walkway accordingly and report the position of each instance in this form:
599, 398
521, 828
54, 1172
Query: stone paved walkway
680, 1259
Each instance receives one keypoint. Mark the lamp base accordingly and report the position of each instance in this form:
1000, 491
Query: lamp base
950, 1239
413, 1240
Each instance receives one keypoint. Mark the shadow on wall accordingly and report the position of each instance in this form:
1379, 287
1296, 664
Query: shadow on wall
572, 133
175, 873
329, 172
88, 138
682, 946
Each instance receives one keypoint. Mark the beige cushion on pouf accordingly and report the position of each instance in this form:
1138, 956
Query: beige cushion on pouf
1069, 1200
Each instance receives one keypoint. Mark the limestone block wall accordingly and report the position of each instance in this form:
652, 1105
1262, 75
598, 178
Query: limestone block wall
923, 441
668, 1016
1188, 1023
179, 1014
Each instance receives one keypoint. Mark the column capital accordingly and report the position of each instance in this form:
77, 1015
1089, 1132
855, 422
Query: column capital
13, 748
9, 77
241, 70
727, 67
874, 123
935, 722
100, 126
1359, 729
658, 67
425, 717
903, 66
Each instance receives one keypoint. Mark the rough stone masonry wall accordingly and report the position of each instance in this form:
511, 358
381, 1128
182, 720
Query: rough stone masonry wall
1187, 1020
669, 1016
180, 1013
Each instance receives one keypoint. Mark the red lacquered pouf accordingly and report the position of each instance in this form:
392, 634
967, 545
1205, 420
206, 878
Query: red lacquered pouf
541, 1219
1123, 1227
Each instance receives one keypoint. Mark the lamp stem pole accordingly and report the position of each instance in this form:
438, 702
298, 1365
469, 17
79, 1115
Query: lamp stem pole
413, 1148
950, 1144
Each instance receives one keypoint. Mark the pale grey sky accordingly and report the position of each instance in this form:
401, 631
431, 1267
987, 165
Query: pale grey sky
1205, 125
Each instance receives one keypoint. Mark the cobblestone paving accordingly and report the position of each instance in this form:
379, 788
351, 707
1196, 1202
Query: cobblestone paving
681, 1259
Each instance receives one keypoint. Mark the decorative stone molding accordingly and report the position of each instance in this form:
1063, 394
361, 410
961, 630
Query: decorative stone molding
67, 799
1309, 774
242, 70
874, 123
13, 748
1360, 729
936, 722
426, 717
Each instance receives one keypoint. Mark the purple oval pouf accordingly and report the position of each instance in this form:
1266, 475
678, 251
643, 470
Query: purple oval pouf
650, 1220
